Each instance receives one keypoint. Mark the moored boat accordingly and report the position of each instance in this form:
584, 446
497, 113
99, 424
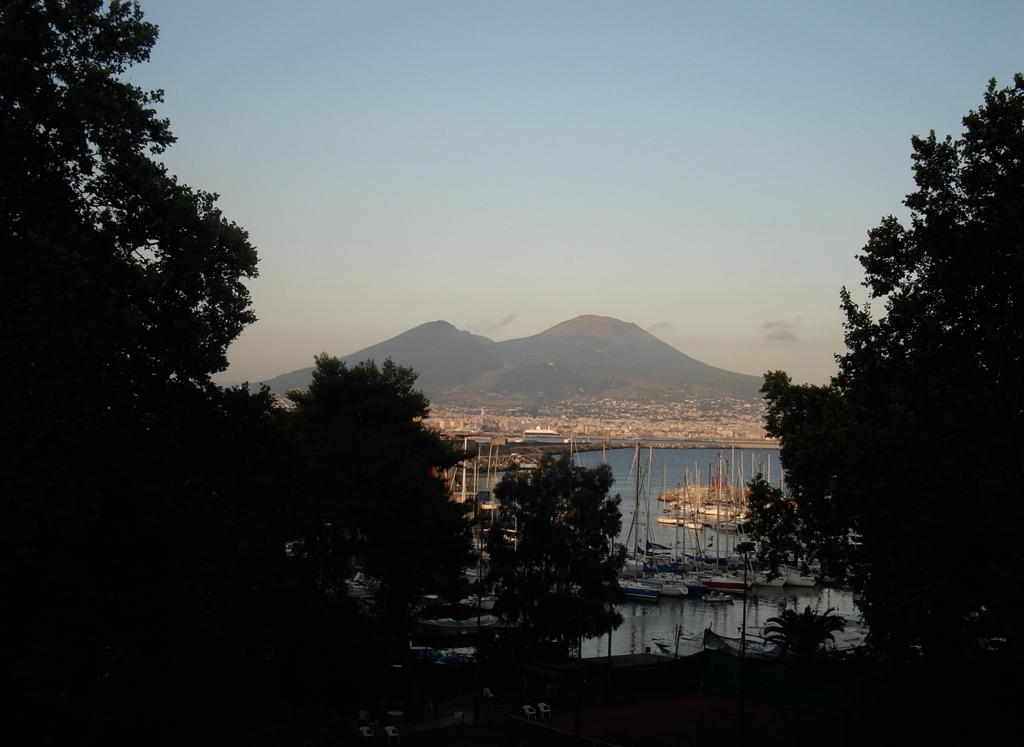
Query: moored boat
716, 596
695, 587
762, 579
486, 602
729, 584
794, 577
671, 585
638, 590
447, 626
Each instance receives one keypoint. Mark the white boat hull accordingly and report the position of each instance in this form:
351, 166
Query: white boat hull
799, 580
762, 580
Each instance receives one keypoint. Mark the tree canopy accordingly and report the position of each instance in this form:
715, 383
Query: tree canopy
553, 557
122, 289
115, 272
802, 634
371, 486
145, 510
773, 523
906, 471
169, 546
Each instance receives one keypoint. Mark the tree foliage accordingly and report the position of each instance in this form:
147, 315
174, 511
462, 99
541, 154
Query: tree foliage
148, 514
916, 444
808, 522
802, 634
144, 510
371, 487
122, 289
553, 557
137, 278
773, 524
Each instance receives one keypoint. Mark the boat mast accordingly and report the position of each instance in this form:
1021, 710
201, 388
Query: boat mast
647, 503
741, 504
675, 542
465, 448
571, 423
699, 550
634, 525
718, 552
476, 470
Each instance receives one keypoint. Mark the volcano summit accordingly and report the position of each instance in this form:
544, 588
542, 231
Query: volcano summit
588, 356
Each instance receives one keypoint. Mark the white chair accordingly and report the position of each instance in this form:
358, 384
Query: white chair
366, 732
530, 711
393, 735
363, 716
488, 694
544, 709
459, 716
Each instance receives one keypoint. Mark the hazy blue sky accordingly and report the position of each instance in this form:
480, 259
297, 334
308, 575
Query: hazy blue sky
705, 170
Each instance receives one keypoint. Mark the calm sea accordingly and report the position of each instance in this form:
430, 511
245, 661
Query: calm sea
663, 469
646, 622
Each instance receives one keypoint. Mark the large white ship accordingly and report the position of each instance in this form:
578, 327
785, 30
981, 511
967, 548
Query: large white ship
540, 433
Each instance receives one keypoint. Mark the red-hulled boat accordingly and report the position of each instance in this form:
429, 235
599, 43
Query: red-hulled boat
728, 584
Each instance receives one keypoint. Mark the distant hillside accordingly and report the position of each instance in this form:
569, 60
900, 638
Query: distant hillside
603, 347
589, 355
443, 356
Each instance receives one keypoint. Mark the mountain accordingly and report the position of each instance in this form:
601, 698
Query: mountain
600, 346
589, 355
443, 356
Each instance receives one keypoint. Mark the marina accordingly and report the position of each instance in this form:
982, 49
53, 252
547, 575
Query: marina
664, 469
665, 613
645, 625
714, 477
671, 471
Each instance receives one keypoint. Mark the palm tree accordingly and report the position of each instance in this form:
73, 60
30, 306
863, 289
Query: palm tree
803, 634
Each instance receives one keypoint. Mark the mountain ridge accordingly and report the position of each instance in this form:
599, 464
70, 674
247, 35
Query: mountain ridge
588, 355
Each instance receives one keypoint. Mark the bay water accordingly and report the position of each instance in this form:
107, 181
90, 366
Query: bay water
682, 618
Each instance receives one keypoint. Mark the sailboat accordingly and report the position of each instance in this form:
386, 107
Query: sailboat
761, 578
794, 577
637, 587
640, 590
731, 584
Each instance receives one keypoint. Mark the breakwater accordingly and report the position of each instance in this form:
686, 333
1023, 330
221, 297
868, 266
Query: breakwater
500, 456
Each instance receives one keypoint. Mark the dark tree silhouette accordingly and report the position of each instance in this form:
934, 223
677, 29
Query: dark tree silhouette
137, 515
773, 523
802, 634
920, 433
552, 555
371, 489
